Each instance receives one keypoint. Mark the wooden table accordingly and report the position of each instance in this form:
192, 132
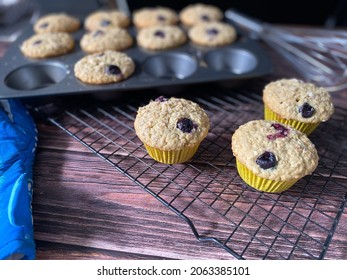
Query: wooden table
83, 208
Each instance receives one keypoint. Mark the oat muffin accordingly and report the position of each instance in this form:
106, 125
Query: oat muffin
47, 45
104, 68
171, 129
161, 37
57, 22
212, 34
299, 104
102, 20
116, 39
271, 156
147, 17
200, 13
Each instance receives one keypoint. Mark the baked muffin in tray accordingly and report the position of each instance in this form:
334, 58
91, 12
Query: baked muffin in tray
47, 45
151, 16
57, 22
161, 37
212, 34
104, 68
106, 19
200, 13
116, 39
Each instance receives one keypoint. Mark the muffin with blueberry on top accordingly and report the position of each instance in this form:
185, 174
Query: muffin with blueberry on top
106, 19
152, 16
57, 22
116, 39
271, 156
45, 45
158, 38
301, 105
171, 129
212, 34
104, 68
200, 13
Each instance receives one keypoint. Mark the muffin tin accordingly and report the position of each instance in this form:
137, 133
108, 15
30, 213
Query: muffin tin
185, 65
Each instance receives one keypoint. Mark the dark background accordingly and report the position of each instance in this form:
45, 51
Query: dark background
328, 13
309, 12
293, 11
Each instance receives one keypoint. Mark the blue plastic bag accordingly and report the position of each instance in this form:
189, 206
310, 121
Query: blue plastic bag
18, 139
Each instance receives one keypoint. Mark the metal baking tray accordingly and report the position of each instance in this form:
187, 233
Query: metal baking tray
185, 65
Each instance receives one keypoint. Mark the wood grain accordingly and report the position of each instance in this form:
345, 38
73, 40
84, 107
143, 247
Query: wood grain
102, 210
81, 200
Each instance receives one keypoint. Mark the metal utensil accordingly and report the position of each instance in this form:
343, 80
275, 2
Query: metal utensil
319, 57
123, 6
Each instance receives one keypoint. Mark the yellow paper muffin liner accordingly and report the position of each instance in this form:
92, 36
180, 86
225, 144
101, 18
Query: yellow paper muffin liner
261, 184
172, 157
306, 128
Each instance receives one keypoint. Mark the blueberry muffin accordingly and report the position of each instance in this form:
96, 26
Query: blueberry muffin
299, 104
161, 37
116, 39
171, 129
103, 19
104, 68
47, 45
271, 156
212, 34
147, 17
57, 22
200, 13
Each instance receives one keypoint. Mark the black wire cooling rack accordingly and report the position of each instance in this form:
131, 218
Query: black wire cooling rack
297, 224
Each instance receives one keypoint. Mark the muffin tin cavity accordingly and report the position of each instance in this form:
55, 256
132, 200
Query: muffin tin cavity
36, 76
163, 70
170, 66
235, 60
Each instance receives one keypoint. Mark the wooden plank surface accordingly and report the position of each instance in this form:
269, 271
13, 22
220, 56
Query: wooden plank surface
82, 206
101, 210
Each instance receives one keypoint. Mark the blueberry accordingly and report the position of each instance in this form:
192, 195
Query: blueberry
44, 25
37, 42
161, 18
161, 99
266, 160
279, 127
105, 22
212, 31
205, 17
186, 125
113, 70
306, 110
282, 132
98, 33
159, 33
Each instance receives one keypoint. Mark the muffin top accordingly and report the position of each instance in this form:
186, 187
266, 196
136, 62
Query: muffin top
212, 34
161, 37
57, 22
45, 45
106, 19
116, 39
198, 13
297, 100
274, 151
146, 17
104, 68
171, 124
